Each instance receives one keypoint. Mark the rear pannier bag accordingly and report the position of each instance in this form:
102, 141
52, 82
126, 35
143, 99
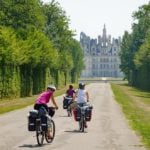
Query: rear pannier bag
77, 114
65, 103
44, 123
32, 120
88, 113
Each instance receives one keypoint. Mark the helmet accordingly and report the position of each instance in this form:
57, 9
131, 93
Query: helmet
81, 85
52, 87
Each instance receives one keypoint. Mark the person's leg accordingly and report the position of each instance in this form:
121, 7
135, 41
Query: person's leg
73, 106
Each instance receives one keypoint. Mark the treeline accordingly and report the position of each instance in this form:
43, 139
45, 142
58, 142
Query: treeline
36, 48
135, 50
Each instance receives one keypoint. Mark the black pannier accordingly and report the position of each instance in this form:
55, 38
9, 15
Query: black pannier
44, 123
65, 103
33, 114
88, 113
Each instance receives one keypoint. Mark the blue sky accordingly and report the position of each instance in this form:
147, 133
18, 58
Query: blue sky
90, 16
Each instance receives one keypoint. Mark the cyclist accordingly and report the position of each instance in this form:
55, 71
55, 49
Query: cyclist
70, 92
43, 100
82, 96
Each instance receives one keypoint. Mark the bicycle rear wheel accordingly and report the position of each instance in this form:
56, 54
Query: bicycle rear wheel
52, 132
39, 135
81, 124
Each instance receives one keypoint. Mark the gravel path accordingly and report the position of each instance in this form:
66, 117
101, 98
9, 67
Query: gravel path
108, 129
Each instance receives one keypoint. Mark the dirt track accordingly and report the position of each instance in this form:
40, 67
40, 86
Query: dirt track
108, 129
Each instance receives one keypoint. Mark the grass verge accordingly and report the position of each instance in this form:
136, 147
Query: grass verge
136, 106
18, 103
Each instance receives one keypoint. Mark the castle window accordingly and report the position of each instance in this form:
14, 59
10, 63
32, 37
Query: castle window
101, 66
93, 66
108, 66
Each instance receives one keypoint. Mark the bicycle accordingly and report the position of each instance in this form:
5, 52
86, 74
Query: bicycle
84, 111
67, 102
42, 124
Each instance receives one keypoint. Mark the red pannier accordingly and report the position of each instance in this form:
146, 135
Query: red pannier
77, 114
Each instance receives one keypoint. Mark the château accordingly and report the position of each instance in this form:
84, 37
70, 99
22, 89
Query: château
101, 56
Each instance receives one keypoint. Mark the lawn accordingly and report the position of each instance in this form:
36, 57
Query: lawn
7, 105
136, 106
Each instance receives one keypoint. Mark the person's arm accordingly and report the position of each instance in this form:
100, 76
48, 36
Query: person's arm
53, 101
87, 95
76, 93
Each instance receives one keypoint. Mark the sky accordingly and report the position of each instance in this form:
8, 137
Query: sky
89, 16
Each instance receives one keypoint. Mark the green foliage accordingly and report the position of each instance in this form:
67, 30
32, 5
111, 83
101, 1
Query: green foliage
77, 56
8, 46
126, 55
57, 25
142, 57
36, 48
9, 73
135, 50
21, 14
142, 62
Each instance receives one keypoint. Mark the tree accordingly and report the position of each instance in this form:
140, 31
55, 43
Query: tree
19, 14
77, 56
142, 62
57, 25
9, 72
126, 56
131, 46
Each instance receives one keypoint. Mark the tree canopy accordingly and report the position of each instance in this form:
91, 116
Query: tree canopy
135, 50
36, 47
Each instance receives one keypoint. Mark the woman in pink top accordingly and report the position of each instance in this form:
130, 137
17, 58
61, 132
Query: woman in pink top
45, 97
42, 101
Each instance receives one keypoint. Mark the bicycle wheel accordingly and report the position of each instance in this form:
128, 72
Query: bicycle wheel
39, 135
52, 132
81, 124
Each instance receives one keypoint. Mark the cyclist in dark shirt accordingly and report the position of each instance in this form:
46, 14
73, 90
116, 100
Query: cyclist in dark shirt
70, 92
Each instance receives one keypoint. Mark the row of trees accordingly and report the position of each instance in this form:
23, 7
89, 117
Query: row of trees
36, 48
135, 50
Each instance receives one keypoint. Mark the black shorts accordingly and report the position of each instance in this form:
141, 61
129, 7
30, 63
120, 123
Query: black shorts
38, 106
50, 110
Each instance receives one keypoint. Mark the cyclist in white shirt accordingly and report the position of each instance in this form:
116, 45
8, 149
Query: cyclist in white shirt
82, 97
82, 94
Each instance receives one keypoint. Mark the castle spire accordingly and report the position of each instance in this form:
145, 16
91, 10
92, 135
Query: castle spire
104, 37
104, 31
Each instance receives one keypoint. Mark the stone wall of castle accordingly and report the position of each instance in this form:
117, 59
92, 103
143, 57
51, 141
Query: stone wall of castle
101, 55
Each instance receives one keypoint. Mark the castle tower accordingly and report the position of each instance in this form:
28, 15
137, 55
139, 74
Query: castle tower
104, 37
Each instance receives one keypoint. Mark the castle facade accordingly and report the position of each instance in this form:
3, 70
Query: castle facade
101, 56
